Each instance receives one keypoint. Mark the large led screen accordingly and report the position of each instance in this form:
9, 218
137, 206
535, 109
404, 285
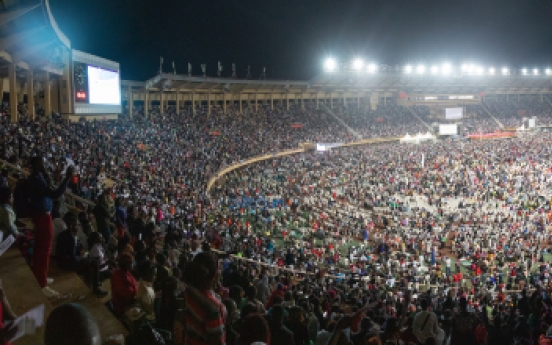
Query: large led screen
448, 129
103, 86
454, 113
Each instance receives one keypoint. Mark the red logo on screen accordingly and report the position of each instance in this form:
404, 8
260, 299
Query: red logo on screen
81, 95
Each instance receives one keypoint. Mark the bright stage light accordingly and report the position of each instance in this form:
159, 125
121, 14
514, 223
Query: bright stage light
434, 69
408, 69
491, 71
505, 71
372, 68
357, 64
479, 70
420, 69
548, 71
330, 65
536, 71
465, 68
446, 69
524, 71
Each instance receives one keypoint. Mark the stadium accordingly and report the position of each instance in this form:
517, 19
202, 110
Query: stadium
369, 204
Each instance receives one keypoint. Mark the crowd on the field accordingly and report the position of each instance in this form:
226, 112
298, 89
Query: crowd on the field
441, 243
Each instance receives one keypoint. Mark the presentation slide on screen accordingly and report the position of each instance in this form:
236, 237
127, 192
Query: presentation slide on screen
103, 86
448, 129
454, 113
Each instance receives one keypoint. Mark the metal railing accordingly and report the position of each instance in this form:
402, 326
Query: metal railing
71, 199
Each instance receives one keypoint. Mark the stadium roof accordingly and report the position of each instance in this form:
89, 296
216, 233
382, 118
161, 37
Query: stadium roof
352, 82
437, 84
30, 36
183, 83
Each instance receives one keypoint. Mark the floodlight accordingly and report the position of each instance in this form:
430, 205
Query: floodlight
472, 69
372, 68
357, 64
330, 65
479, 70
505, 71
465, 68
420, 69
524, 71
408, 69
434, 69
548, 71
535, 71
491, 71
446, 69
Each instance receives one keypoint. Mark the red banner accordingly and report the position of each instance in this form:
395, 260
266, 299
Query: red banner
380, 120
296, 125
215, 133
402, 95
482, 94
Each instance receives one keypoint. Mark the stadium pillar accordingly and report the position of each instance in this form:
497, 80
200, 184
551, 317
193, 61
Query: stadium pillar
256, 102
224, 102
47, 95
287, 101
241, 106
271, 101
129, 101
146, 103
161, 107
317, 101
209, 103
30, 94
13, 92
193, 103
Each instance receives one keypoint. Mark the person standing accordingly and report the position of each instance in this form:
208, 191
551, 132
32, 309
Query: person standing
40, 204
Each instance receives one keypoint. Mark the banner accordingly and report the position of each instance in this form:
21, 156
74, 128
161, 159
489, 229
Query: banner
296, 125
522, 112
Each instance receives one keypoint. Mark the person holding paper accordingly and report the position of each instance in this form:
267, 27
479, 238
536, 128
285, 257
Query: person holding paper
41, 209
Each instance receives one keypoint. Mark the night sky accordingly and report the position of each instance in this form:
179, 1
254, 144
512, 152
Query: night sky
291, 37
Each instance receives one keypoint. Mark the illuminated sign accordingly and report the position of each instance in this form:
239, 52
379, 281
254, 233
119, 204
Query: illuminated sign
81, 95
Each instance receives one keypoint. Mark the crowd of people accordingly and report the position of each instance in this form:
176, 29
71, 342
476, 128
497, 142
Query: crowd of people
441, 243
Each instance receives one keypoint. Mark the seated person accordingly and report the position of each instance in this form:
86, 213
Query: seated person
7, 216
146, 294
123, 285
69, 250
102, 266
163, 272
70, 255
